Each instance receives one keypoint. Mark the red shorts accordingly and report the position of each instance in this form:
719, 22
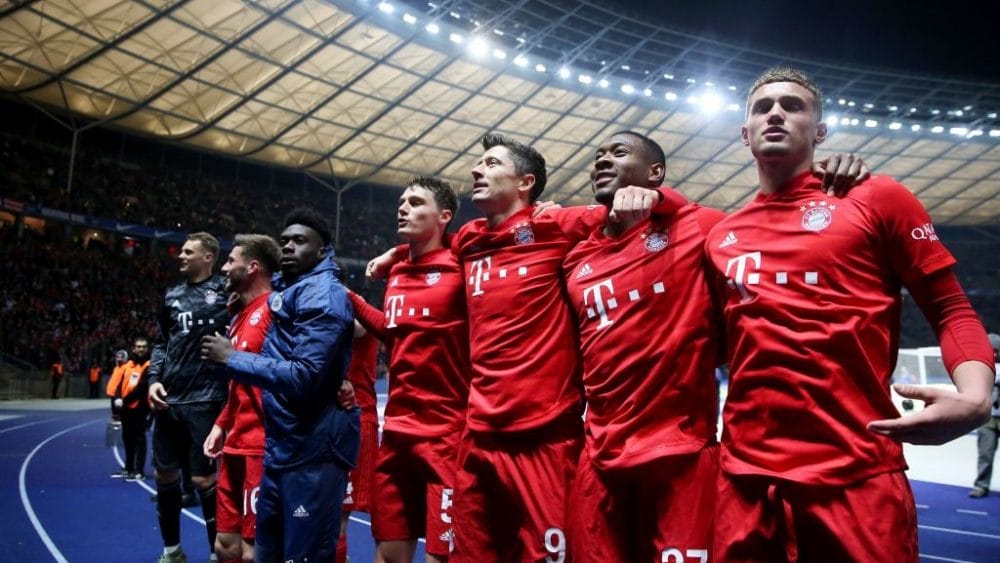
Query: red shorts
766, 519
415, 478
511, 494
236, 494
359, 480
659, 511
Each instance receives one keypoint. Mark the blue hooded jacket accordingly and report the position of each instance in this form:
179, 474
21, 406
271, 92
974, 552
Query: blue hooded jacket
302, 365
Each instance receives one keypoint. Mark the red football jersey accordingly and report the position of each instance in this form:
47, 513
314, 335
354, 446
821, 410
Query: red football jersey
361, 374
525, 354
426, 326
242, 415
812, 310
650, 336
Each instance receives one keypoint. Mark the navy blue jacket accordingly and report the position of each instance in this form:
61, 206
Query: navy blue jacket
304, 360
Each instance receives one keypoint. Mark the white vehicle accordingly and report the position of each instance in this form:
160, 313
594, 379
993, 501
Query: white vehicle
920, 366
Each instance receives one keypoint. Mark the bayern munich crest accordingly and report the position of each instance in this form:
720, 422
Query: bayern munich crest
255, 317
433, 277
655, 240
524, 235
211, 297
817, 216
276, 302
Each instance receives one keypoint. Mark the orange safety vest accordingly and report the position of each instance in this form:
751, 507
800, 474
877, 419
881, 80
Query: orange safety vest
95, 374
57, 370
131, 375
115, 381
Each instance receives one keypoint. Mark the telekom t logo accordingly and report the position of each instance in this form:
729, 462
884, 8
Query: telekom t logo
600, 307
742, 277
395, 309
184, 318
480, 273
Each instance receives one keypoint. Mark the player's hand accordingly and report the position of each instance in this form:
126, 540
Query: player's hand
840, 173
378, 267
213, 442
543, 207
346, 396
233, 304
158, 396
216, 348
633, 204
947, 415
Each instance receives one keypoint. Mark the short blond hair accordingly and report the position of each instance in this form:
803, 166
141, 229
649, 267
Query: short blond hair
788, 74
208, 242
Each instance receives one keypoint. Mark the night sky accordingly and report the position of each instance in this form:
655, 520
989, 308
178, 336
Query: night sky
956, 38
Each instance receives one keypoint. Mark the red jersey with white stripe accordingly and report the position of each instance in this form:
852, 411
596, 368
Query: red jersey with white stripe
812, 311
649, 333
525, 354
425, 323
361, 374
242, 415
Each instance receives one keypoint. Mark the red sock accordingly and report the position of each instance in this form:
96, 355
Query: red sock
341, 556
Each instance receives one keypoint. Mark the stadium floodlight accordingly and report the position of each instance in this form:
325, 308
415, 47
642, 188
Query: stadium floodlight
850, 103
710, 103
855, 121
691, 81
564, 72
603, 83
409, 18
585, 79
994, 133
937, 129
915, 127
432, 28
386, 7
668, 76
500, 54
992, 115
935, 112
960, 131
974, 133
959, 113
895, 126
845, 120
478, 47
893, 108
842, 102
693, 100
456, 38
710, 84
831, 120
498, 31
647, 92
628, 89
521, 40
521, 61
626, 67
731, 88
967, 108
670, 97
733, 107
455, 15
871, 123
539, 67
913, 110
869, 106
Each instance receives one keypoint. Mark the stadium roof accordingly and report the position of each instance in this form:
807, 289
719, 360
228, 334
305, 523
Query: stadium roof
366, 91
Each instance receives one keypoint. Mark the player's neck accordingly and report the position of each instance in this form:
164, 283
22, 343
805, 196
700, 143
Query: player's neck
774, 176
420, 247
200, 277
259, 287
615, 229
495, 219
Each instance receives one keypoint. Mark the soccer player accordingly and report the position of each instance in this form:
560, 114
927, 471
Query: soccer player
524, 428
129, 400
237, 437
425, 325
649, 334
186, 398
311, 442
811, 455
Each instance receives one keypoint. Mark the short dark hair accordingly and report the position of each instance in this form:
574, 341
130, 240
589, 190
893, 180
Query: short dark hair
311, 218
206, 240
526, 160
262, 248
653, 149
788, 74
444, 194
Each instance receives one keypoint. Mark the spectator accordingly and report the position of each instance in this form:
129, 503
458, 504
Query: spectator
989, 433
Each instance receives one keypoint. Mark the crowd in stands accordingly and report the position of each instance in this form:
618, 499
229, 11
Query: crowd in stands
82, 302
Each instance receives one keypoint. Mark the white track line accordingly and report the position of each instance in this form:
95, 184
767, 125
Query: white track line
24, 425
962, 532
937, 558
143, 484
56, 554
973, 512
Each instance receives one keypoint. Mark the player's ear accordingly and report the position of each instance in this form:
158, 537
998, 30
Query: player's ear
821, 132
445, 217
745, 136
